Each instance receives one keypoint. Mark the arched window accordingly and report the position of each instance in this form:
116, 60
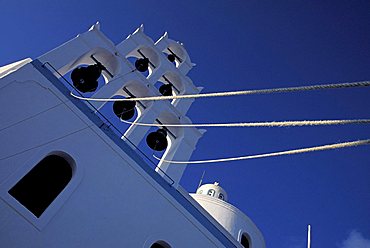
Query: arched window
160, 244
245, 240
42, 184
211, 192
221, 196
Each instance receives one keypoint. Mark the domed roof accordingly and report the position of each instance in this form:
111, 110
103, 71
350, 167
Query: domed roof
213, 190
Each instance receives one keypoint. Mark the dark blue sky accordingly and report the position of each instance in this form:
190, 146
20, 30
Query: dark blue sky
250, 45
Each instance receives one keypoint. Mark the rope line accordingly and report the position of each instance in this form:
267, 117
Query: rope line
232, 93
258, 124
274, 154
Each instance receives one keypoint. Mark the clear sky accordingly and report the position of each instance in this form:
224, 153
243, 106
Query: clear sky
250, 45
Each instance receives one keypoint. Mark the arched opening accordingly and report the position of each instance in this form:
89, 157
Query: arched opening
144, 59
91, 71
245, 240
42, 184
143, 65
221, 196
170, 84
160, 244
164, 136
86, 79
211, 192
175, 54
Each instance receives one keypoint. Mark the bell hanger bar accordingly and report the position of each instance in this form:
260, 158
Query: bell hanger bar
165, 128
133, 96
170, 83
174, 54
103, 68
142, 54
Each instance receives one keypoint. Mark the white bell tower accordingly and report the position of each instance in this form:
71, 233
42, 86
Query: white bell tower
137, 67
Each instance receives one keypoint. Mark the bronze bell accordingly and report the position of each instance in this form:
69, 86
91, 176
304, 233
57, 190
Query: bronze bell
171, 57
165, 90
85, 79
142, 64
157, 140
124, 110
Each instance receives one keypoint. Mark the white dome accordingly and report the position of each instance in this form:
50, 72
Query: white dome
213, 198
213, 190
232, 219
